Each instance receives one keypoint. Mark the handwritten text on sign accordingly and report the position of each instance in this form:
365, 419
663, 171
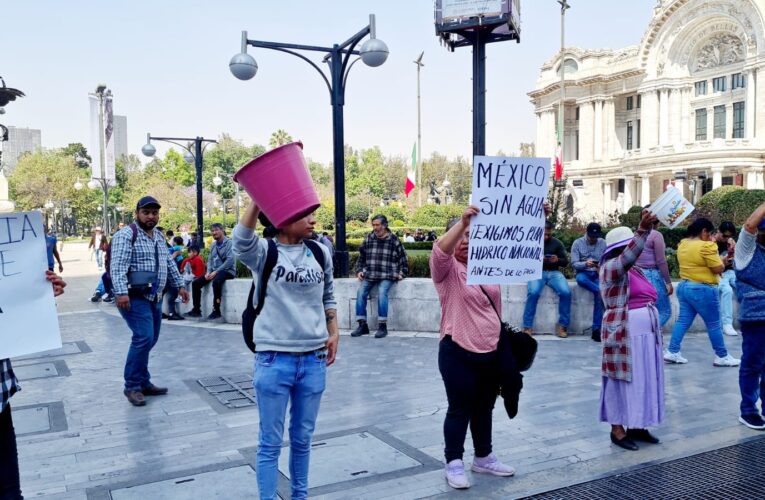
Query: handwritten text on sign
28, 320
506, 237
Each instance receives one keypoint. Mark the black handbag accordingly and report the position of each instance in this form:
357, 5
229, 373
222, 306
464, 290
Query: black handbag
522, 346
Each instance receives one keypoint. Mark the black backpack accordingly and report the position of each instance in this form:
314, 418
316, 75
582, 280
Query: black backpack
251, 313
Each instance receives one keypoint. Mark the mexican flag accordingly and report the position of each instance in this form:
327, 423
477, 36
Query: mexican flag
411, 173
558, 163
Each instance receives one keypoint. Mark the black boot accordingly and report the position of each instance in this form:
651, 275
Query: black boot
382, 330
362, 329
215, 314
596, 334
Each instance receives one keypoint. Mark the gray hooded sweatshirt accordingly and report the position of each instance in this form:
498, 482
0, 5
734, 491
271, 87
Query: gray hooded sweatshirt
298, 293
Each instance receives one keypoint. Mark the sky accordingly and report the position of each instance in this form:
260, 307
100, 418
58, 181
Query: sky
166, 63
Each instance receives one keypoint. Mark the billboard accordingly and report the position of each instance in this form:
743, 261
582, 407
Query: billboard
457, 9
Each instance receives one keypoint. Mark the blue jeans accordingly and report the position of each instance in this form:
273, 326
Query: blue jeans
751, 374
144, 319
701, 299
662, 303
556, 281
727, 284
99, 258
590, 282
281, 378
362, 296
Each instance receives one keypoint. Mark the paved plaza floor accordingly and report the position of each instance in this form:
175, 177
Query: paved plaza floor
379, 433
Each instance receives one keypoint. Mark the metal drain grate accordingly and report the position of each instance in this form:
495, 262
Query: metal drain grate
232, 391
734, 472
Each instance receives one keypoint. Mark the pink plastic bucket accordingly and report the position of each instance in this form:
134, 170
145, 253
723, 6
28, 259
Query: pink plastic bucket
280, 184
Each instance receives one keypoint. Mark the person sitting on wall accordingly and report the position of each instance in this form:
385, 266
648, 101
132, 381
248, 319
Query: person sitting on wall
585, 258
220, 267
554, 258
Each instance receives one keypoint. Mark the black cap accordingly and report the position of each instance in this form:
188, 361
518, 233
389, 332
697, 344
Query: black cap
594, 230
148, 201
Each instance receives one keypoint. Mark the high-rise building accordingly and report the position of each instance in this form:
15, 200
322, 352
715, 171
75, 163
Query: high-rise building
20, 141
120, 136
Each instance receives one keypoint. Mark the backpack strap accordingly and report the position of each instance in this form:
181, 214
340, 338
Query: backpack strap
134, 236
317, 252
271, 257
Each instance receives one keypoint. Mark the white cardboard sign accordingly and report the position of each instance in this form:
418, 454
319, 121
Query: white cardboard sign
671, 208
28, 319
506, 237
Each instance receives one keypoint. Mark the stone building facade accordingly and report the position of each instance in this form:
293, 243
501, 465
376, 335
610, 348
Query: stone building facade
685, 107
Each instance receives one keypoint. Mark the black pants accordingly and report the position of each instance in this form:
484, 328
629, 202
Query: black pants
10, 488
217, 283
471, 382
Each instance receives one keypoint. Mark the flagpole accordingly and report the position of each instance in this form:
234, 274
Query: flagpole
419, 64
562, 108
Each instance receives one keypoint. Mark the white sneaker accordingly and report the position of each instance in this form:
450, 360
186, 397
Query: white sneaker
728, 360
491, 465
455, 475
729, 330
674, 357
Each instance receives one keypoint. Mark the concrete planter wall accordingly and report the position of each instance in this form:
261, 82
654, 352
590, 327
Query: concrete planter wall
414, 306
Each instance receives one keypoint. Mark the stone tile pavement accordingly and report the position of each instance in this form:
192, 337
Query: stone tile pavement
386, 391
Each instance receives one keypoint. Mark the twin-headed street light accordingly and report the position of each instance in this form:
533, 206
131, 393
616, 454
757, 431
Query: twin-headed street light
373, 52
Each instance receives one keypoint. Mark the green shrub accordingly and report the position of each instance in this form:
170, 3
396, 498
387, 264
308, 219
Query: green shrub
356, 211
392, 212
397, 223
632, 218
325, 217
709, 205
419, 266
738, 206
435, 215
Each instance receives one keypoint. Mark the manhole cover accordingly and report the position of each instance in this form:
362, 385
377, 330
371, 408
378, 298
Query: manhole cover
66, 348
236, 482
348, 458
232, 391
39, 419
50, 369
734, 472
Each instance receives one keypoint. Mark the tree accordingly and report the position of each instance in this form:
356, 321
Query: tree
527, 150
319, 173
226, 157
279, 138
80, 154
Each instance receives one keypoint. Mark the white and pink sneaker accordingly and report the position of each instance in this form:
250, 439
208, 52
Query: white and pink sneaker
491, 465
455, 475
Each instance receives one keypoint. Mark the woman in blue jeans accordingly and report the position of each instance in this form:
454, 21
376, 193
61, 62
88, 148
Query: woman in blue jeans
700, 269
296, 337
653, 263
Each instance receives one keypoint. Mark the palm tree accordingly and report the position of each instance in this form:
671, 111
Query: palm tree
279, 138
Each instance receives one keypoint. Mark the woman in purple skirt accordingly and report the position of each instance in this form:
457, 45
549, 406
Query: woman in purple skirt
632, 393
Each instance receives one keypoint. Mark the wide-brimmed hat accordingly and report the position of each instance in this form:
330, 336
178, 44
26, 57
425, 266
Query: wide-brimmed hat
618, 237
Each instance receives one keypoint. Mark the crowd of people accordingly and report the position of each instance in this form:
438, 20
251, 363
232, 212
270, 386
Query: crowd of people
295, 337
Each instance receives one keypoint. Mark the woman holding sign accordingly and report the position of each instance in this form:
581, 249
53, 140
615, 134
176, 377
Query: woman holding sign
467, 354
632, 391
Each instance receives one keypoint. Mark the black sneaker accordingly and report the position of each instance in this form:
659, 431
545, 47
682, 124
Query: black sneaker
194, 313
214, 315
752, 421
109, 298
165, 316
382, 331
96, 297
175, 317
595, 334
362, 329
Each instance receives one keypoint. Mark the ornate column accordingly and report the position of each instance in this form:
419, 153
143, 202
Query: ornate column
754, 178
663, 117
710, 123
675, 115
612, 150
649, 121
750, 110
717, 177
606, 198
645, 189
598, 132
680, 184
586, 129
686, 127
629, 185
728, 121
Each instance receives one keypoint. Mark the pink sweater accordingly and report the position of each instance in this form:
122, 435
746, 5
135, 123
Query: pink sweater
466, 313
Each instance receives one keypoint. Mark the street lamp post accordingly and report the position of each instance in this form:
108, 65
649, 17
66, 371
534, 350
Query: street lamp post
102, 94
373, 53
199, 145
218, 181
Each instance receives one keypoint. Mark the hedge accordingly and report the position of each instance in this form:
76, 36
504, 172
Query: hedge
419, 265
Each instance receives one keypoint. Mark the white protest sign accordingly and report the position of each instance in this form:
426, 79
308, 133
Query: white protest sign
671, 208
506, 237
28, 319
